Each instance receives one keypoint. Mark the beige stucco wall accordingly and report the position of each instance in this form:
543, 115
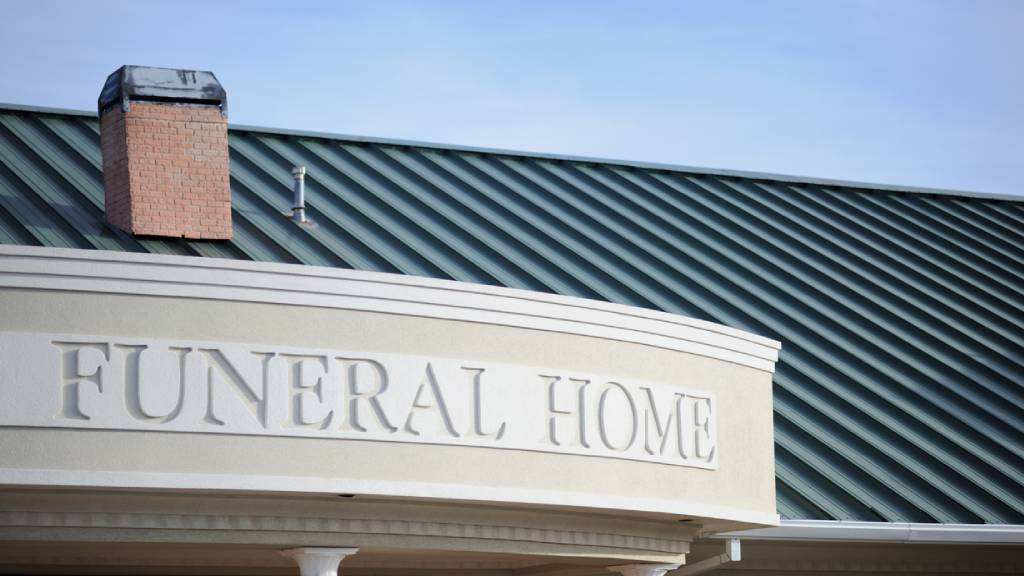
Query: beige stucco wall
742, 486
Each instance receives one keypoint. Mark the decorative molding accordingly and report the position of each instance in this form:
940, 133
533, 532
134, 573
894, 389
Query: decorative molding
325, 525
420, 564
218, 279
460, 492
205, 557
117, 555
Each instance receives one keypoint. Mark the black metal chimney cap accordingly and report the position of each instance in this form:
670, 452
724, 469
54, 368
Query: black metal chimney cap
162, 85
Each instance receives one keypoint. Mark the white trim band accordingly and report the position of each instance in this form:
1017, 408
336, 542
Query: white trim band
26, 477
893, 532
218, 279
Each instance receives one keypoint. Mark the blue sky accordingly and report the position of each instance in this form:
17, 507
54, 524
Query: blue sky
923, 93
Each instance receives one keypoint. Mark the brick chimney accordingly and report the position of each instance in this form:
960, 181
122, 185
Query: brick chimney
164, 137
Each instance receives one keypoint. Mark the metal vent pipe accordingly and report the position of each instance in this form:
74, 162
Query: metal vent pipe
299, 199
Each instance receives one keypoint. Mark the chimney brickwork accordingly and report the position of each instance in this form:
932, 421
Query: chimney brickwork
165, 167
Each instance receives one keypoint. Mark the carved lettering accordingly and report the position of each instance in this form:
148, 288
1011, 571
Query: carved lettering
656, 434
578, 412
477, 430
114, 383
310, 400
628, 409
135, 378
356, 371
250, 396
430, 404
684, 427
703, 429
81, 364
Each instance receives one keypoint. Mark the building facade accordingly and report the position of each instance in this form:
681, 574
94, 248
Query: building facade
227, 350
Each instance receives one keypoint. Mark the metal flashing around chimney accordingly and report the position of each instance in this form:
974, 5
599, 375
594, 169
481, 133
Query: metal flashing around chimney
146, 83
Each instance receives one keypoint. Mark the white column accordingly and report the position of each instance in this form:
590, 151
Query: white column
643, 569
319, 561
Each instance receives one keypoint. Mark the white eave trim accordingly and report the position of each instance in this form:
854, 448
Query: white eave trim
883, 532
110, 272
12, 478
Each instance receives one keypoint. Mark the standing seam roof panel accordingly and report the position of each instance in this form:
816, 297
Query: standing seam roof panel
900, 385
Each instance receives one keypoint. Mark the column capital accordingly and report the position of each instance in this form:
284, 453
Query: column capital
318, 561
643, 569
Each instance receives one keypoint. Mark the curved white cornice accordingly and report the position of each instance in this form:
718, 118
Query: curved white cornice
561, 498
336, 526
218, 279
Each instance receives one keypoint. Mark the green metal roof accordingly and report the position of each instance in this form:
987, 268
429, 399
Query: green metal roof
899, 392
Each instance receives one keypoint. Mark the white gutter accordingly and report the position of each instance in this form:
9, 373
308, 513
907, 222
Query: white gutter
891, 532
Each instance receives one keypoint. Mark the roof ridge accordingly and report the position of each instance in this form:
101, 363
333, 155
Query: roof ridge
668, 167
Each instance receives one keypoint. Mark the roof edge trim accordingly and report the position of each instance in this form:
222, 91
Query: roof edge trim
667, 167
21, 477
102, 271
891, 532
